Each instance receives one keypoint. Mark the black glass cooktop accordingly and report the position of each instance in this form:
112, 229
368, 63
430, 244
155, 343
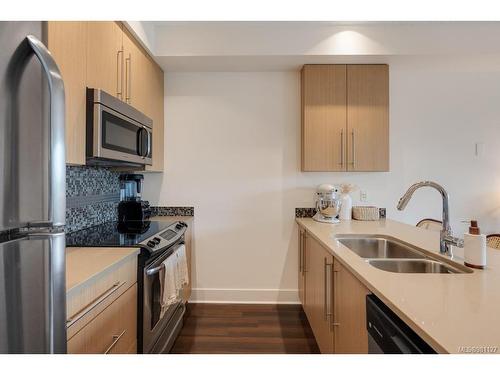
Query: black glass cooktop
116, 234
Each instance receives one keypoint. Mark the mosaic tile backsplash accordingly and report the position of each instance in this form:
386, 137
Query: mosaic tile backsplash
310, 212
92, 196
172, 211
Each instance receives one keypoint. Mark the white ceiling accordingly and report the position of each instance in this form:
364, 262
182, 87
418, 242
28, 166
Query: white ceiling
247, 46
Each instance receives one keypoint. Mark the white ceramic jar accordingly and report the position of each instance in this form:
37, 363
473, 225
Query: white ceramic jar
345, 207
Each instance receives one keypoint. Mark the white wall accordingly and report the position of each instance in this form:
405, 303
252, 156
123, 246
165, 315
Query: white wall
233, 152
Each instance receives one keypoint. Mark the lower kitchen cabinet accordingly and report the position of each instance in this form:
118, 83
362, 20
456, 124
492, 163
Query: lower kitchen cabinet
113, 331
101, 301
319, 293
333, 299
302, 274
350, 312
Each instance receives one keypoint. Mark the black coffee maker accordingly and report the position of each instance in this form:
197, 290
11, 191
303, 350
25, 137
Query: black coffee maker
131, 207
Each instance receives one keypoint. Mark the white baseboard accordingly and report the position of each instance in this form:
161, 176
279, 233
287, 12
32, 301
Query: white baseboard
269, 296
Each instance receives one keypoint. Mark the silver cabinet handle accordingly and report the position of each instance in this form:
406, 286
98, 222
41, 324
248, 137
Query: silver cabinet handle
334, 323
116, 338
327, 294
342, 148
130, 78
57, 151
128, 73
304, 249
75, 318
119, 74
353, 150
301, 257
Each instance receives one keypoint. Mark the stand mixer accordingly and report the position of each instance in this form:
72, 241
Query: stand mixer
327, 204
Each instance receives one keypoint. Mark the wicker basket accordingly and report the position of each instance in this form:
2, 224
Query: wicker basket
365, 213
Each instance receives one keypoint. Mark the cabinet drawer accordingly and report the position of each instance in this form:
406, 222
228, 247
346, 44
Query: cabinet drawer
89, 299
113, 331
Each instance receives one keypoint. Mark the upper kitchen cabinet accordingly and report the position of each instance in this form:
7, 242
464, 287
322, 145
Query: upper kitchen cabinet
368, 117
345, 118
65, 41
157, 114
105, 57
136, 72
323, 117
143, 89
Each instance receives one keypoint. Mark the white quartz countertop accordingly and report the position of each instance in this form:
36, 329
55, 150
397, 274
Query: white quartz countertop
454, 313
85, 263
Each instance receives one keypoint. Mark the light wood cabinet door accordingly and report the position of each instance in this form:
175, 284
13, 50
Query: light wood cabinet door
301, 273
309, 280
349, 312
113, 331
85, 302
157, 102
368, 117
137, 82
105, 63
143, 87
67, 42
319, 294
323, 117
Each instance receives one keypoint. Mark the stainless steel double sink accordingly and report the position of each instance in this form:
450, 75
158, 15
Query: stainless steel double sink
390, 254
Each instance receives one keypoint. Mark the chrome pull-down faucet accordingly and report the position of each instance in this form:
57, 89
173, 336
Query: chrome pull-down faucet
446, 237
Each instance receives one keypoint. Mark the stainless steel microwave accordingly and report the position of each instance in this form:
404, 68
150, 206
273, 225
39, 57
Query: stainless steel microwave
117, 133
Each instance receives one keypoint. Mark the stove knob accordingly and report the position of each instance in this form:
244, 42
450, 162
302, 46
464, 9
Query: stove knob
151, 244
157, 240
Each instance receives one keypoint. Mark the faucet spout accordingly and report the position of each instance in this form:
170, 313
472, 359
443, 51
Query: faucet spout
447, 238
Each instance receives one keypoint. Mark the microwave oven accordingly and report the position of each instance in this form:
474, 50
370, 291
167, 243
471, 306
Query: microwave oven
117, 133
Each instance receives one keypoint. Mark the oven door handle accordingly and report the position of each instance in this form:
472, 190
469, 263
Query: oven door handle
154, 270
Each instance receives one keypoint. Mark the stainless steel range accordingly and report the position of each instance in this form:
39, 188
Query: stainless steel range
158, 240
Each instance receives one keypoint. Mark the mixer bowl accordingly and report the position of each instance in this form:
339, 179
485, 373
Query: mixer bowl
328, 205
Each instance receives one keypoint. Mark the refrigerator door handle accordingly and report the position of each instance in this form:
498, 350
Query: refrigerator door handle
57, 152
55, 314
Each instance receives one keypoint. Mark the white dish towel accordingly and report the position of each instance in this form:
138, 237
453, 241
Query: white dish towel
168, 292
181, 275
173, 276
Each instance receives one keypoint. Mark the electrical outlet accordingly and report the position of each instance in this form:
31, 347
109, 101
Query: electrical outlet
363, 196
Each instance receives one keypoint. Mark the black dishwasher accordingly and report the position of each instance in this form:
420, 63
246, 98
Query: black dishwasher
388, 334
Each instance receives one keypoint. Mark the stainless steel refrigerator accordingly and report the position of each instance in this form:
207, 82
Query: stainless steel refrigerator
32, 193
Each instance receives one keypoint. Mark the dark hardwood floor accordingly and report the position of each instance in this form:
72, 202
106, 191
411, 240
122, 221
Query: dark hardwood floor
244, 328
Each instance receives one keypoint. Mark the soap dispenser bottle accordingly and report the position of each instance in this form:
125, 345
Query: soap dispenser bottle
474, 247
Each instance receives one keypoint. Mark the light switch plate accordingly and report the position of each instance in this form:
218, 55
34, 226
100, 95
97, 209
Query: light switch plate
479, 149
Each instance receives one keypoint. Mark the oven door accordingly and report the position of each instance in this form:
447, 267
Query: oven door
118, 137
154, 325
